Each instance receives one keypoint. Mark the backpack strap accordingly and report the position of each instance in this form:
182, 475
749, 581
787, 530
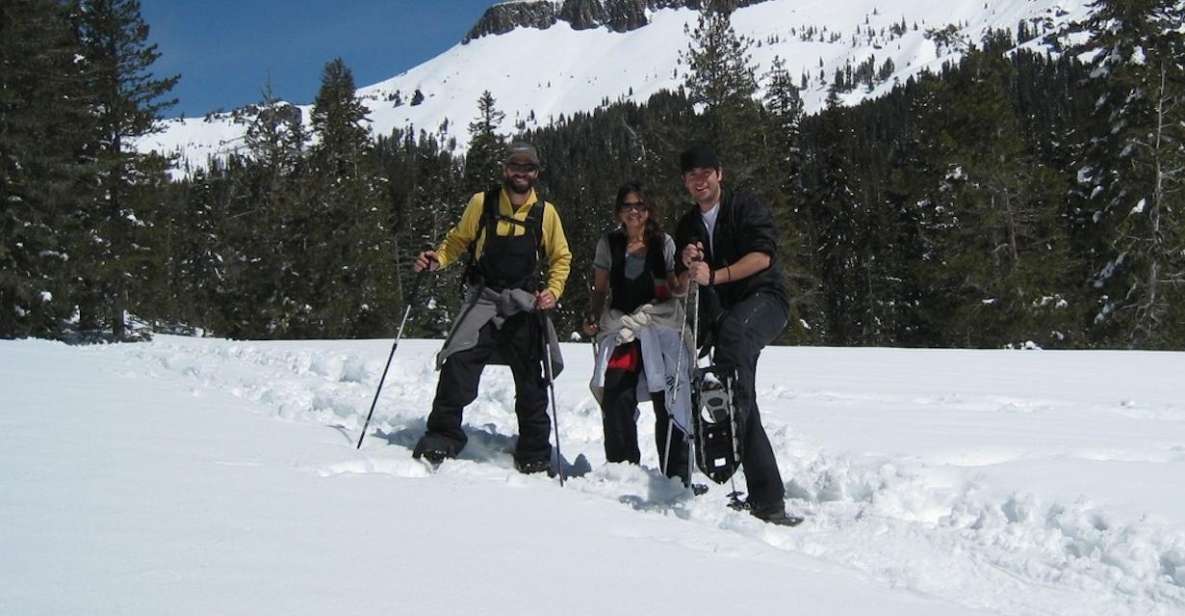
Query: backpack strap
617, 245
491, 215
656, 256
488, 220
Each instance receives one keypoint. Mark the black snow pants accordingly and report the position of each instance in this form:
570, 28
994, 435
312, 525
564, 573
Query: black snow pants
741, 333
618, 412
519, 343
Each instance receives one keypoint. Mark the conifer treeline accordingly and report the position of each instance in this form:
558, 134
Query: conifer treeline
1012, 197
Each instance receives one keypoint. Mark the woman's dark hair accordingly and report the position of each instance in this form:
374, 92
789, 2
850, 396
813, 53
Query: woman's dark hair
653, 227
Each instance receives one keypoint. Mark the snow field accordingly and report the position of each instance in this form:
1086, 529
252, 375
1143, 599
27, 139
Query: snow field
942, 482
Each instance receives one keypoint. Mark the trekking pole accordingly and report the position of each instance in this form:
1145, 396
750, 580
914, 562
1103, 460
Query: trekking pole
666, 452
545, 320
411, 299
694, 366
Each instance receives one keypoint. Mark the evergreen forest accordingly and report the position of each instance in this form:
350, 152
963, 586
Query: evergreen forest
1023, 195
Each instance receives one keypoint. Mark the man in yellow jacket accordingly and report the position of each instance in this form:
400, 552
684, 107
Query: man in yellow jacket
505, 231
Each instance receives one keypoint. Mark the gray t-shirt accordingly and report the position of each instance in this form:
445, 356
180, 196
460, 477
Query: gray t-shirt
634, 264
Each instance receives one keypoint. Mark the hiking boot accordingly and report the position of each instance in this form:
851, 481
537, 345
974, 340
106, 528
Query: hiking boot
530, 467
775, 515
434, 450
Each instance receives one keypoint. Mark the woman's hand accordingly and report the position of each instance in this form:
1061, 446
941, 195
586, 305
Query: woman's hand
590, 327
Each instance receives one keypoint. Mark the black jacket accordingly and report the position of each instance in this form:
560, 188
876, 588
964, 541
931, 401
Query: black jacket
744, 225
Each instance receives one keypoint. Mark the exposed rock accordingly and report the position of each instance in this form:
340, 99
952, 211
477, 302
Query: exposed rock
502, 18
616, 15
583, 14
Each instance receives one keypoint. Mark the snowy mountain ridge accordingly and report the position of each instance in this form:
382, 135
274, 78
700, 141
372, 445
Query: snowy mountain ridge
542, 59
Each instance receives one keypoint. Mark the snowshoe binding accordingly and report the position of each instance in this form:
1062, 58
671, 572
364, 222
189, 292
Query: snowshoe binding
433, 457
774, 514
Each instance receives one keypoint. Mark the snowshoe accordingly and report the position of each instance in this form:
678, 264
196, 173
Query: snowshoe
777, 518
736, 502
774, 514
717, 442
434, 457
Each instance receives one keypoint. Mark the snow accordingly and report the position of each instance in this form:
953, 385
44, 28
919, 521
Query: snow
559, 71
205, 476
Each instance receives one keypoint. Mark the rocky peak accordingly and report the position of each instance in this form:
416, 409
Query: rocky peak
506, 16
616, 15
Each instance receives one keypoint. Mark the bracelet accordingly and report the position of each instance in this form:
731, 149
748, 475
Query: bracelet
728, 269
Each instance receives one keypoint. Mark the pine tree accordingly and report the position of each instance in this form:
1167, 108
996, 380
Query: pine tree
783, 174
830, 199
722, 79
276, 138
483, 161
1133, 168
197, 268
349, 265
339, 121
126, 103
275, 143
993, 217
43, 122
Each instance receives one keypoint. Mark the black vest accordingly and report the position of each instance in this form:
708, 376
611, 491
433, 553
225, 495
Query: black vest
628, 295
507, 261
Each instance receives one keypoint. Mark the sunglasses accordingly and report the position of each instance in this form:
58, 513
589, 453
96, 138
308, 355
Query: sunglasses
637, 206
521, 167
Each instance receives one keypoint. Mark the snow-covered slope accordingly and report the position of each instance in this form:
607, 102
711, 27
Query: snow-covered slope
198, 476
536, 75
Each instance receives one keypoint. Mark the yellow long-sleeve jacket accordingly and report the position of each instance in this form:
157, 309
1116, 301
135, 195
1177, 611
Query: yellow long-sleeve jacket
555, 243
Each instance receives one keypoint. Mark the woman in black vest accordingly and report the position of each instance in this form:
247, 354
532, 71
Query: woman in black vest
633, 267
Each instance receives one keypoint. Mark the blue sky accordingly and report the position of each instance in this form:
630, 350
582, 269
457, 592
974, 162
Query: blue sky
225, 50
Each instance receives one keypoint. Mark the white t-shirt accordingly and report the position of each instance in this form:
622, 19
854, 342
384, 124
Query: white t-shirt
710, 222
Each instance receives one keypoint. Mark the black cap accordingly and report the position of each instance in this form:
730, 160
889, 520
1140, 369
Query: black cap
698, 156
522, 153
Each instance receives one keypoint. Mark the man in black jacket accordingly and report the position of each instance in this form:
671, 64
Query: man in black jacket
728, 246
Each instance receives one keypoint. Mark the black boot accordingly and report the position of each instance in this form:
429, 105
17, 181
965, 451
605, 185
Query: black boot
530, 467
435, 449
774, 514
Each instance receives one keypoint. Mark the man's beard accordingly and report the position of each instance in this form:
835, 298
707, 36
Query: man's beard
510, 186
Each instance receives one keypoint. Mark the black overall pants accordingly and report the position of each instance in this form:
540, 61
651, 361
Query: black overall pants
507, 261
519, 344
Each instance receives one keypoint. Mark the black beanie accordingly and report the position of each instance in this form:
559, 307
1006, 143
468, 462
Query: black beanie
698, 156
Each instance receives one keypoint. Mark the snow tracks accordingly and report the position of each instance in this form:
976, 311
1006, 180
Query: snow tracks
970, 525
